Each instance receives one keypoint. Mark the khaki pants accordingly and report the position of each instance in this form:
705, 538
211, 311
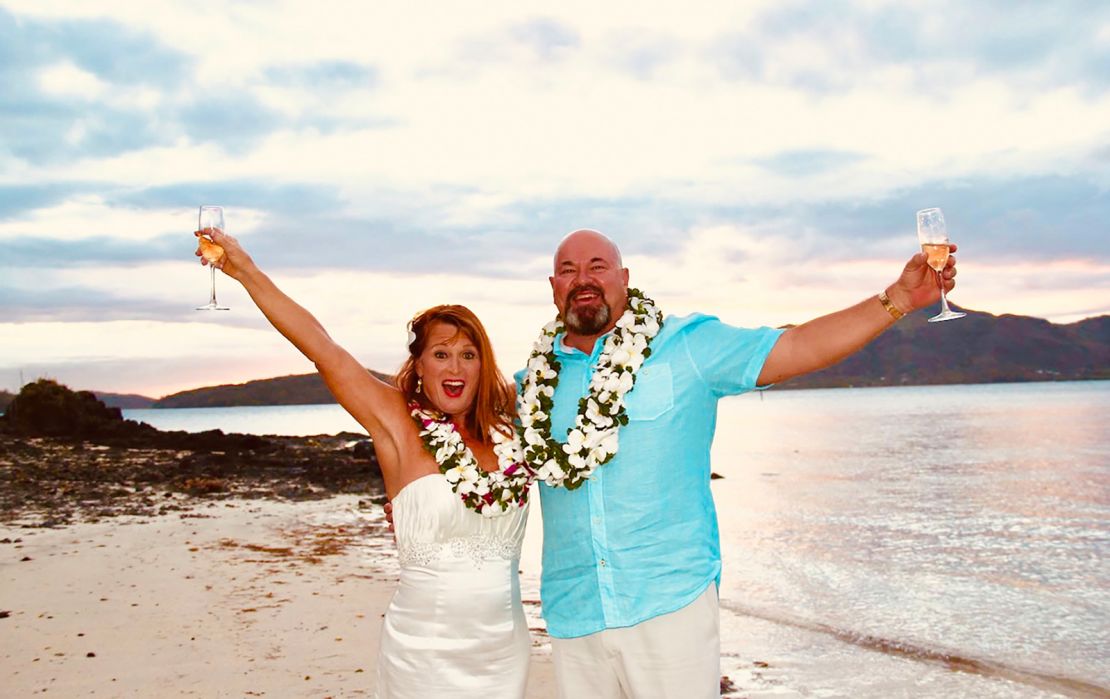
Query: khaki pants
673, 656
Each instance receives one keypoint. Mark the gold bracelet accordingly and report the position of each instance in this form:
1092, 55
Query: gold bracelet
889, 306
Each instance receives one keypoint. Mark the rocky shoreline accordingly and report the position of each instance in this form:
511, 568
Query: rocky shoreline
65, 458
48, 482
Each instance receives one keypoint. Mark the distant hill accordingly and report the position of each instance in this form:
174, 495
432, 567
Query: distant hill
981, 348
126, 401
298, 389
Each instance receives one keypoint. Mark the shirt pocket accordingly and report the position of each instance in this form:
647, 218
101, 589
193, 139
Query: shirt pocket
653, 393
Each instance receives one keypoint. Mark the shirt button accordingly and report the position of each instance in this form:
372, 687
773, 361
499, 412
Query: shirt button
602, 562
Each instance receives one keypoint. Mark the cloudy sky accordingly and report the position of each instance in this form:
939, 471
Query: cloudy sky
758, 160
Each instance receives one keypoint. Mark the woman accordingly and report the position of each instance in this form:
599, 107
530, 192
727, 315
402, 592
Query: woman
444, 439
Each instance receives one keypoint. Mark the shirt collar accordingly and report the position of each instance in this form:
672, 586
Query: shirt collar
563, 350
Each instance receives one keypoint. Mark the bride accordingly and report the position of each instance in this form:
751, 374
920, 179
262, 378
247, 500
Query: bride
455, 475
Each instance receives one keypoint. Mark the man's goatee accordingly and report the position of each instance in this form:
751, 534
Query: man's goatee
588, 321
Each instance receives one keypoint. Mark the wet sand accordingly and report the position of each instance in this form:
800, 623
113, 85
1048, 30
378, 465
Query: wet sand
225, 598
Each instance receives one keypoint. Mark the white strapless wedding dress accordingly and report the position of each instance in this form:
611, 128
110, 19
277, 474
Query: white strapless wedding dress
456, 626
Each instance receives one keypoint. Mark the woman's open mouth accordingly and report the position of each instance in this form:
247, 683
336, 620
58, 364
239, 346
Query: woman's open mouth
453, 388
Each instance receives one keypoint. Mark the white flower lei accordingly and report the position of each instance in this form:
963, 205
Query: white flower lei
488, 493
592, 441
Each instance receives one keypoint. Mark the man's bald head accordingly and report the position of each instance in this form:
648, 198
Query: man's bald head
589, 238
589, 284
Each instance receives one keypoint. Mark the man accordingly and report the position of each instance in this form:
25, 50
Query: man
631, 552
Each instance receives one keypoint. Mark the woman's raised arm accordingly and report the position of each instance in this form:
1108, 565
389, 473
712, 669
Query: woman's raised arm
376, 405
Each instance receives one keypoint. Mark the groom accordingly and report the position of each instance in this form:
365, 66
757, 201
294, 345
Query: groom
631, 553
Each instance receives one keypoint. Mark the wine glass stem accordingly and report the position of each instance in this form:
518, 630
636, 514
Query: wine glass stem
213, 300
940, 280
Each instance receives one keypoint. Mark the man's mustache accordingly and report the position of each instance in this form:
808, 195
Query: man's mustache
585, 287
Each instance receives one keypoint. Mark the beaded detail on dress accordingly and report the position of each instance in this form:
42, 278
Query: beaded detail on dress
476, 548
432, 524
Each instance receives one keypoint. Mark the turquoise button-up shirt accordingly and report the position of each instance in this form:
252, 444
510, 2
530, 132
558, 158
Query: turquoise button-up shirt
639, 538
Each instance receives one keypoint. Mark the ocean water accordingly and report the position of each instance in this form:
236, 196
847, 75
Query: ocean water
294, 420
941, 541
923, 530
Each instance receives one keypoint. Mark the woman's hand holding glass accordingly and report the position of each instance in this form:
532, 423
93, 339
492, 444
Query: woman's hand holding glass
222, 252
210, 221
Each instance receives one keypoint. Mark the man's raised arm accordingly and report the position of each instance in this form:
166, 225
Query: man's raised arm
826, 340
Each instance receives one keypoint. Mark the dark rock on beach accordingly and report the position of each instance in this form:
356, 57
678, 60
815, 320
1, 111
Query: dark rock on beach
65, 456
727, 685
46, 408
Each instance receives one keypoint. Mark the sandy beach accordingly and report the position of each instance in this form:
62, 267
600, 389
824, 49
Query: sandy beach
202, 564
226, 598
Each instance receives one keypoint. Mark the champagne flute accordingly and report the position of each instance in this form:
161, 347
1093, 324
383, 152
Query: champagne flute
933, 236
211, 217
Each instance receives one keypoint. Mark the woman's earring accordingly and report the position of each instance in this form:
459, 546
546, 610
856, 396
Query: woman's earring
419, 384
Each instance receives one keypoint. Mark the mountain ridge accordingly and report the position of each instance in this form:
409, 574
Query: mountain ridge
981, 348
293, 389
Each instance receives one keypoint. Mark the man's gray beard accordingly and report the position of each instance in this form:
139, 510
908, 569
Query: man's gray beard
588, 323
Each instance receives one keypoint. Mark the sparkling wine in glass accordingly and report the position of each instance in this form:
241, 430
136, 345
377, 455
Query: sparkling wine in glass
211, 217
933, 236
